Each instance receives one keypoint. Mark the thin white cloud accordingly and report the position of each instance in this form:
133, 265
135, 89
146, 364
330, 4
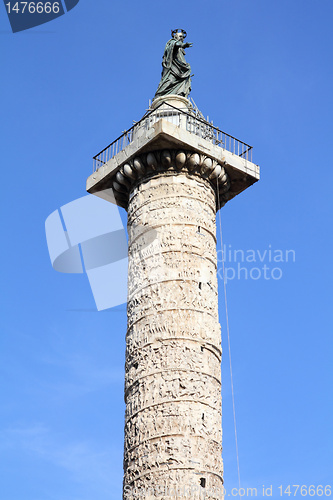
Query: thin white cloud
90, 466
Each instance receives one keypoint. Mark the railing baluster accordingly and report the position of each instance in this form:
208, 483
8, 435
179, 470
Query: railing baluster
194, 124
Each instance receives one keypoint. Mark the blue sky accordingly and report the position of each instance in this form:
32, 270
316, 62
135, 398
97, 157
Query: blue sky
263, 73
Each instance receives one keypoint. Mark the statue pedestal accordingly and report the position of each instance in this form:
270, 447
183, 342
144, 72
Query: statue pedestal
174, 100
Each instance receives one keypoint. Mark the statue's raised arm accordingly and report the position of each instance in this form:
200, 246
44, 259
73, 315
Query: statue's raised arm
176, 72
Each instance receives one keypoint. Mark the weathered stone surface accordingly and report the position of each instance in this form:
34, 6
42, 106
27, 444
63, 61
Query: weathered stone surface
172, 129
173, 434
168, 161
171, 171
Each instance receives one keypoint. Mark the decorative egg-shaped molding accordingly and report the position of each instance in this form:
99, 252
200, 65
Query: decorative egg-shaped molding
191, 163
151, 161
166, 158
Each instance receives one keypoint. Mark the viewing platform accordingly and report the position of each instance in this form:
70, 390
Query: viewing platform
173, 123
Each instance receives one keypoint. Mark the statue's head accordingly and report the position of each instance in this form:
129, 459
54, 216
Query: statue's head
178, 34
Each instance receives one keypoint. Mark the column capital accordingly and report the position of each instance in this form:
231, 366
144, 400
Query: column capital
173, 138
169, 161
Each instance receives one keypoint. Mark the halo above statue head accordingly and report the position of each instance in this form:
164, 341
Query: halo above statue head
174, 32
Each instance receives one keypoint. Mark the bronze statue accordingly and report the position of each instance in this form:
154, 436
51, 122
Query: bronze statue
176, 73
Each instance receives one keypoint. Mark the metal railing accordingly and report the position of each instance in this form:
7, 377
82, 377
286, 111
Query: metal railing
181, 118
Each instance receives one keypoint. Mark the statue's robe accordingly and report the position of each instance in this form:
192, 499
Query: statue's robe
176, 73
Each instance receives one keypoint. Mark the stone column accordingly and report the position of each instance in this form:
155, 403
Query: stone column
173, 432
171, 171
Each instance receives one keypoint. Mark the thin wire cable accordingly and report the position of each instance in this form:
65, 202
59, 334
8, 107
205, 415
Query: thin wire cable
228, 332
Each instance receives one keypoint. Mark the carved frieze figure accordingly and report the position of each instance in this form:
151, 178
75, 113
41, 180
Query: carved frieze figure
176, 73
